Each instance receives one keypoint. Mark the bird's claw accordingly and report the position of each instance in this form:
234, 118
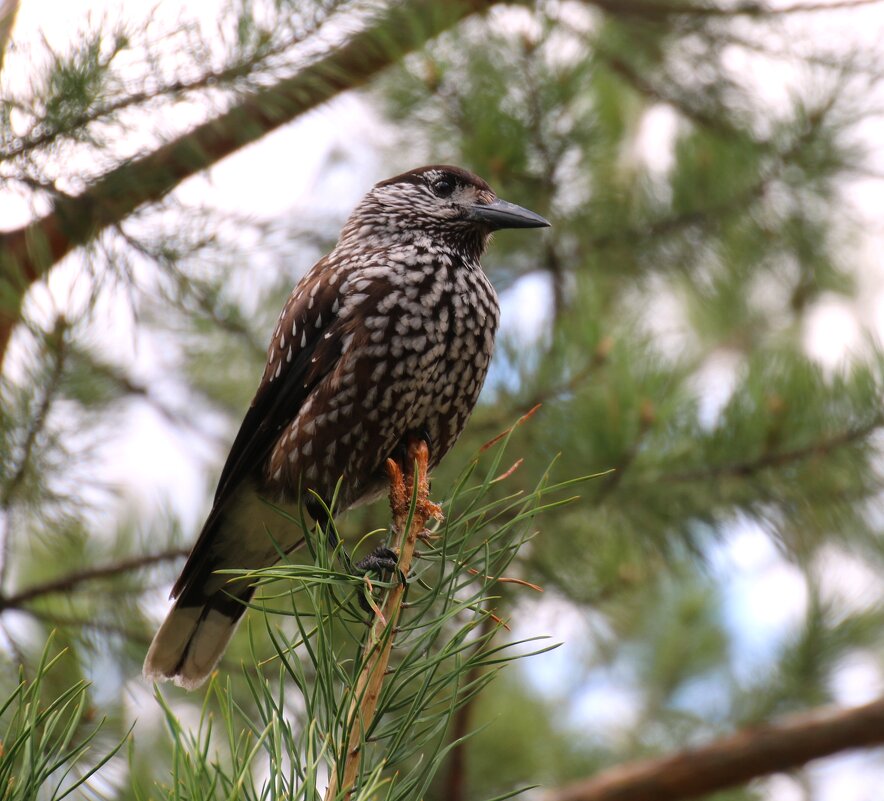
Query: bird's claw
379, 560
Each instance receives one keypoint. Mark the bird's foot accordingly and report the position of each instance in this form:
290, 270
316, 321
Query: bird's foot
402, 480
379, 561
408, 478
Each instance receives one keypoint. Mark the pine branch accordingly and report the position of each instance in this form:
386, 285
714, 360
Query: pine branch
775, 459
736, 759
28, 253
35, 427
210, 79
652, 9
137, 389
408, 524
70, 581
659, 93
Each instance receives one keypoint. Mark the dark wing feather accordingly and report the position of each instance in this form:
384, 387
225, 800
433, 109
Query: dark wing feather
290, 375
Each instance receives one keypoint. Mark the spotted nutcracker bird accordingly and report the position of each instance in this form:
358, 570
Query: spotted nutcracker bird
387, 337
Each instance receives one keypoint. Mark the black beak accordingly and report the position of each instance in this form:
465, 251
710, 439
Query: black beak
500, 214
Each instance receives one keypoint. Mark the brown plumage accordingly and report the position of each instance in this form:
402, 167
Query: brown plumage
388, 336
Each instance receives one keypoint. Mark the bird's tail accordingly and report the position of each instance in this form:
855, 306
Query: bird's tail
192, 639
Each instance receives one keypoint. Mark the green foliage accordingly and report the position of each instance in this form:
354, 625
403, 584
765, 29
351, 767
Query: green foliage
48, 742
293, 721
521, 740
698, 229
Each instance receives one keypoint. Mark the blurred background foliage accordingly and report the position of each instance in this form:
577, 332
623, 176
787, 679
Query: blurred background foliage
699, 163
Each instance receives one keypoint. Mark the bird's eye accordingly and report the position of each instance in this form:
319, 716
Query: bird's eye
442, 187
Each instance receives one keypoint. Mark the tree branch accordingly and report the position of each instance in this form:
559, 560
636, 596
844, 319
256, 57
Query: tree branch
659, 9
736, 759
713, 120
27, 254
35, 426
750, 467
376, 654
70, 581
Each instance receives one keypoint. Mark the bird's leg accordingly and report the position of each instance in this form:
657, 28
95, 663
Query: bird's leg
413, 454
401, 473
402, 487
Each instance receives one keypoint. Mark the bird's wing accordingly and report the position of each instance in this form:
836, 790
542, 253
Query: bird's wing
305, 346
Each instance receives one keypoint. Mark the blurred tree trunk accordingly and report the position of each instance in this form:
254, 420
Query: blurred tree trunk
776, 747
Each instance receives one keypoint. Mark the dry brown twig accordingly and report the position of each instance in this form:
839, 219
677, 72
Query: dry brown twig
376, 654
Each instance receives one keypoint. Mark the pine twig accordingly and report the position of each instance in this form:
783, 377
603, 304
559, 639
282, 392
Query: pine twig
69, 581
778, 459
407, 524
735, 759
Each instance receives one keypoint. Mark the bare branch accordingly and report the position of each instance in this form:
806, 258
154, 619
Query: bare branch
774, 459
70, 581
736, 759
28, 253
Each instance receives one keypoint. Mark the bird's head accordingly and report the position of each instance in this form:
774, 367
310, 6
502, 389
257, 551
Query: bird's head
439, 204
